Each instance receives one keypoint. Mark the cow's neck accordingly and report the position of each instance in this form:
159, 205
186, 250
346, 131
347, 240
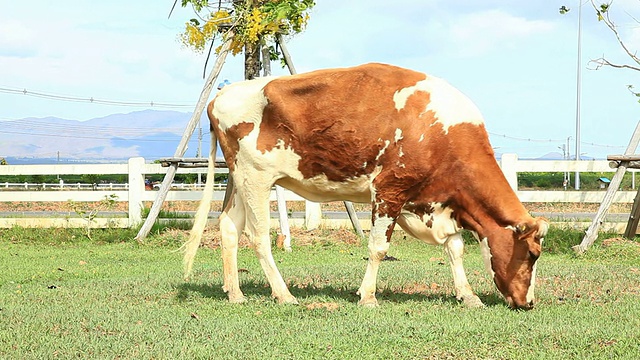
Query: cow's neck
481, 197
488, 204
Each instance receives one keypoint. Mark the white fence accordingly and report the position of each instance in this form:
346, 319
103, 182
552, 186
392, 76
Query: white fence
134, 192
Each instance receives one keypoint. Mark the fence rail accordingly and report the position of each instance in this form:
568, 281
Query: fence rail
134, 192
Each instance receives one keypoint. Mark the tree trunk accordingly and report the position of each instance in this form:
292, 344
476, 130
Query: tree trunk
252, 64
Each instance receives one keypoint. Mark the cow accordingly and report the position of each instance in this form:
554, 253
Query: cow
410, 144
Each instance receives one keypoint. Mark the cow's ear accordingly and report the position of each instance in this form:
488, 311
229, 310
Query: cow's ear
543, 227
522, 228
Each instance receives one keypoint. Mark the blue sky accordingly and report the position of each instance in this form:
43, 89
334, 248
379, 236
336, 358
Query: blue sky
516, 60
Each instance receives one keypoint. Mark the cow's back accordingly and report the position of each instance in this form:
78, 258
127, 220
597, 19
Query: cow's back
343, 124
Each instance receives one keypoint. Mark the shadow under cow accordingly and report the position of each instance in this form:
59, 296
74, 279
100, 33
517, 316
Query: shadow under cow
262, 289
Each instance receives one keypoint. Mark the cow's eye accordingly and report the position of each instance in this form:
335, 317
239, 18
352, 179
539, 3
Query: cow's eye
534, 255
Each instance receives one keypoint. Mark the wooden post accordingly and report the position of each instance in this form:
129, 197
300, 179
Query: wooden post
182, 146
348, 205
634, 218
592, 232
136, 190
508, 165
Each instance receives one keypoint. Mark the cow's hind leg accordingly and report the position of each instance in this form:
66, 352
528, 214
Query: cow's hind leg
454, 247
378, 247
232, 222
256, 196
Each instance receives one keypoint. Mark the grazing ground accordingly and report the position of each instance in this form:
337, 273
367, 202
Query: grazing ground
20, 206
62, 296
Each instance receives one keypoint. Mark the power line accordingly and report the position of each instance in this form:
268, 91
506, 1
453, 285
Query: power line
92, 100
526, 139
562, 141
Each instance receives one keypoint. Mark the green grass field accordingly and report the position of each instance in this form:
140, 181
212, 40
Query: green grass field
63, 297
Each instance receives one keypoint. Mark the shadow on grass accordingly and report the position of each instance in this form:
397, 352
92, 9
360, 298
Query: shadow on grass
252, 288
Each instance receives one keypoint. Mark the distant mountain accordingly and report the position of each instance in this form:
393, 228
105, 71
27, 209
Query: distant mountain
151, 134
551, 156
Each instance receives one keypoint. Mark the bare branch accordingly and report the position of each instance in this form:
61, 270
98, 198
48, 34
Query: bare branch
173, 7
600, 62
604, 17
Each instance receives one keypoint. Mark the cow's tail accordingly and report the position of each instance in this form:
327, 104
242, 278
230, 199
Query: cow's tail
200, 222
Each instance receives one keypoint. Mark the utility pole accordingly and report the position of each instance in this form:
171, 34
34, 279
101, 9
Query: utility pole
578, 89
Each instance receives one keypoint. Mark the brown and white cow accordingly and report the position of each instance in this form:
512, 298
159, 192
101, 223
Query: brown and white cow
408, 143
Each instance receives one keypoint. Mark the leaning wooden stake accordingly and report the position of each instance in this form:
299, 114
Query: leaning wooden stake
182, 146
348, 205
592, 232
634, 218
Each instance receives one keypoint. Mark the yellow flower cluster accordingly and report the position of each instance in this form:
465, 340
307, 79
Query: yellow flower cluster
196, 37
193, 37
257, 25
250, 26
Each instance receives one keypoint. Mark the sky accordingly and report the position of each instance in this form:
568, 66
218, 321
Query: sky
517, 60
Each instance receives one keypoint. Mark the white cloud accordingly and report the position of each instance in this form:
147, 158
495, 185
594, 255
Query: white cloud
14, 38
481, 32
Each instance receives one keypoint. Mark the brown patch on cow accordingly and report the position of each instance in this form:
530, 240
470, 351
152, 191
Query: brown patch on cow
421, 210
317, 115
231, 141
429, 223
390, 230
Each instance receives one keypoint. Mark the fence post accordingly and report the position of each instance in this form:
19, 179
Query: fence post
509, 164
312, 215
136, 190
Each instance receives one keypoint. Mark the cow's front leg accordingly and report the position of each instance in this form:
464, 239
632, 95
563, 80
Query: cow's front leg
454, 247
378, 247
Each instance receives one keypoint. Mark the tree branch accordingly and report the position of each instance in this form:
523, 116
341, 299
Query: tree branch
604, 17
600, 62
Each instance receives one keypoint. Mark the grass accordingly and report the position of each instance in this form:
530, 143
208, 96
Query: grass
62, 296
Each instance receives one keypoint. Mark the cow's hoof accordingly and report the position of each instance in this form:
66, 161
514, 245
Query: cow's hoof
472, 301
287, 300
238, 300
368, 303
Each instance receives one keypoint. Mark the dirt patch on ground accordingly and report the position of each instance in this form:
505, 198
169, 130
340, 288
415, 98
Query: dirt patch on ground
299, 237
619, 241
296, 206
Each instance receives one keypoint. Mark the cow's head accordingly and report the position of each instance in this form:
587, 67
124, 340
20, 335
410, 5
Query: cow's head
510, 256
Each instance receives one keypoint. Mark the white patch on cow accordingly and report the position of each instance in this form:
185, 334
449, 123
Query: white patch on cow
421, 138
400, 152
485, 251
532, 285
442, 225
241, 102
384, 148
449, 105
398, 136
320, 189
